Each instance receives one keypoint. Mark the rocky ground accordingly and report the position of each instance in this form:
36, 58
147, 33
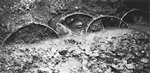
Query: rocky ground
74, 36
105, 52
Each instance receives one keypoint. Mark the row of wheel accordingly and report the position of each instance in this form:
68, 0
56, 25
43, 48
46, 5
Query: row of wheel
76, 23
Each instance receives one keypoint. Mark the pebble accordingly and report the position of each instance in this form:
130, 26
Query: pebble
144, 60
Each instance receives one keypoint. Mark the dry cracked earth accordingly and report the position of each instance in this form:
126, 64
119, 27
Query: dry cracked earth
74, 36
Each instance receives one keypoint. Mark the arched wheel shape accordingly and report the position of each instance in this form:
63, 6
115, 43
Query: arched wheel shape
137, 17
77, 23
95, 26
106, 22
31, 33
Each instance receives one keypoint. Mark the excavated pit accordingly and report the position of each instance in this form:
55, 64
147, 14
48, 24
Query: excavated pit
47, 37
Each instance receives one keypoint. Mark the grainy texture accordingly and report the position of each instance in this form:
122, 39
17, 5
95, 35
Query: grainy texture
44, 36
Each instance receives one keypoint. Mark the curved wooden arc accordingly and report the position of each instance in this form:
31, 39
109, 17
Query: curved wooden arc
76, 22
38, 25
107, 16
129, 16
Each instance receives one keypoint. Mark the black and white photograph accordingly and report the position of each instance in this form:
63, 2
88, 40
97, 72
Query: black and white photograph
74, 36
